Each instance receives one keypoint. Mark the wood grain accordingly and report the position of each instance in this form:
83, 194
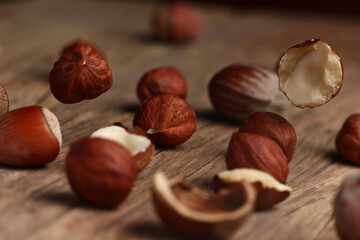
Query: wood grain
37, 203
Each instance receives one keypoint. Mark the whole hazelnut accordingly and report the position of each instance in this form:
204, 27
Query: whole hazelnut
310, 73
167, 120
177, 21
248, 150
347, 208
29, 136
100, 171
273, 126
162, 80
348, 139
81, 73
240, 90
193, 213
4, 100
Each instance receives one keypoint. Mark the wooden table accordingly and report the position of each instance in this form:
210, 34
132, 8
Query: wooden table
37, 203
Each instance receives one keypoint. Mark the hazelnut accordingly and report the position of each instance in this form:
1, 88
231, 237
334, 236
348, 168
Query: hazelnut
347, 208
100, 171
81, 73
167, 120
273, 126
248, 150
177, 21
269, 190
310, 73
4, 100
136, 142
348, 139
30, 136
163, 80
240, 90
193, 213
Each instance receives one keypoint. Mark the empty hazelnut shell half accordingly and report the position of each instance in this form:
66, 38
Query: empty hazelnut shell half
310, 73
135, 142
100, 171
82, 72
269, 190
4, 100
273, 126
29, 136
248, 150
192, 213
167, 120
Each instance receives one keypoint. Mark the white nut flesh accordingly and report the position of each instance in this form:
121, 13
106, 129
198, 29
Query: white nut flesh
53, 124
310, 74
132, 142
253, 176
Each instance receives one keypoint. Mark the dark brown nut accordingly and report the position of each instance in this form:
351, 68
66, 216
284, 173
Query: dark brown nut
269, 191
4, 100
177, 21
192, 213
273, 126
100, 171
348, 139
247, 150
136, 142
347, 208
310, 73
240, 90
167, 120
81, 73
163, 80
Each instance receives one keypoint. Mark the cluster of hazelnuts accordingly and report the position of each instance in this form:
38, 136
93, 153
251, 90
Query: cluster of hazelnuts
103, 167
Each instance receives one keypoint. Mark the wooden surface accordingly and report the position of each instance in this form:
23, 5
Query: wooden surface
38, 203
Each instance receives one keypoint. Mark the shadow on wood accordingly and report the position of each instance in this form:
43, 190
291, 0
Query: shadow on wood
150, 230
213, 116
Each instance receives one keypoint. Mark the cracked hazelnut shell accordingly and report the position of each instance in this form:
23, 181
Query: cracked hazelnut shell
348, 139
195, 214
162, 80
248, 150
273, 126
269, 191
82, 72
167, 120
239, 90
100, 171
29, 136
4, 100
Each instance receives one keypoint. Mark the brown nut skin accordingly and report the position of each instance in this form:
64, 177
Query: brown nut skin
248, 150
348, 139
162, 80
273, 126
81, 73
4, 100
176, 22
191, 212
100, 171
28, 137
167, 120
347, 208
239, 90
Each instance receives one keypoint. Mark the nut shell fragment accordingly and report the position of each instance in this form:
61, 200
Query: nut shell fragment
4, 100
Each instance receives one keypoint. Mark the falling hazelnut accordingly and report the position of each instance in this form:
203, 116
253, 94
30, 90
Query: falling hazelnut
100, 171
81, 73
310, 73
162, 80
177, 21
193, 213
135, 142
273, 126
240, 90
167, 120
4, 100
347, 208
248, 150
29, 136
269, 190
348, 139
